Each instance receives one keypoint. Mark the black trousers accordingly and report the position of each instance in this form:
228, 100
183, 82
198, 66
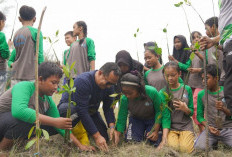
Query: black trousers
12, 128
96, 117
227, 65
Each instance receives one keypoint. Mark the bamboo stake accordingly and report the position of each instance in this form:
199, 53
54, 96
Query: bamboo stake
14, 20
37, 83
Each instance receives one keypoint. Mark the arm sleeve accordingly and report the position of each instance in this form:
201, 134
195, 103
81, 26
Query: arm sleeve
64, 61
185, 66
12, 58
166, 115
91, 49
21, 94
4, 49
200, 107
145, 76
34, 37
81, 97
122, 114
157, 104
53, 112
108, 110
190, 100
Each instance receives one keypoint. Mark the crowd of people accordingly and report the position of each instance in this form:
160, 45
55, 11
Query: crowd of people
160, 101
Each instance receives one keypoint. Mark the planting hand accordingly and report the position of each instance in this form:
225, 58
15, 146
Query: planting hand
171, 58
214, 131
219, 105
63, 123
162, 144
111, 133
116, 137
179, 105
87, 148
153, 136
100, 142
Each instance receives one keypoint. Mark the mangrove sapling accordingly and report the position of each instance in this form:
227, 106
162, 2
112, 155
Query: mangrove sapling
165, 31
38, 131
135, 36
52, 42
69, 88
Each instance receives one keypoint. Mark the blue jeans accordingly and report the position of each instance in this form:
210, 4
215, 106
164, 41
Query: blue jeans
138, 129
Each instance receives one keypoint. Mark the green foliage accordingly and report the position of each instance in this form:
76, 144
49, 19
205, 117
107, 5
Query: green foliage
30, 143
178, 4
114, 95
46, 135
165, 30
192, 55
30, 132
135, 35
156, 48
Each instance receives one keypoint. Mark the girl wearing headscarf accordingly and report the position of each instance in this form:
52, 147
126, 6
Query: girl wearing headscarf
179, 52
142, 103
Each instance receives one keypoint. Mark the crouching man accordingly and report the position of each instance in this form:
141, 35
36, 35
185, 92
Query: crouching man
17, 109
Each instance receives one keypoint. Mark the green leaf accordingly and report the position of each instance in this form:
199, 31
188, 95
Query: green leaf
178, 4
66, 87
49, 39
165, 30
71, 83
57, 32
158, 51
30, 143
73, 89
61, 92
166, 95
187, 49
135, 35
114, 103
113, 95
192, 55
56, 41
71, 67
197, 46
74, 103
66, 71
137, 29
213, 56
45, 38
46, 135
75, 71
30, 132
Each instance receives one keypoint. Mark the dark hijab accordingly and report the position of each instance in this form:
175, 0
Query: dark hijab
124, 57
181, 55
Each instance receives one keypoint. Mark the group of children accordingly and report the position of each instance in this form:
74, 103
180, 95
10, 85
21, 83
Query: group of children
158, 100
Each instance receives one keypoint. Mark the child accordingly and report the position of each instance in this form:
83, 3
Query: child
211, 27
179, 54
82, 51
17, 114
4, 53
181, 135
69, 39
143, 105
216, 134
195, 80
154, 77
25, 46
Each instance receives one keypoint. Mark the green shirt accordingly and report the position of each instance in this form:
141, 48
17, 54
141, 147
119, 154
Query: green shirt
175, 119
123, 107
21, 95
90, 50
12, 58
4, 49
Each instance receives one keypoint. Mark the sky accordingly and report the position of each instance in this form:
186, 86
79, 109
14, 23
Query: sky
112, 23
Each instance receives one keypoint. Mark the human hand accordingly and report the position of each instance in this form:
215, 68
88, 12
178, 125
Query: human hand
87, 148
162, 144
116, 137
63, 123
219, 105
206, 43
171, 58
194, 70
10, 43
111, 133
153, 136
214, 131
101, 143
180, 105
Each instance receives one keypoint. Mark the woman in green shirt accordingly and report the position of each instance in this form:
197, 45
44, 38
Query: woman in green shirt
143, 105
